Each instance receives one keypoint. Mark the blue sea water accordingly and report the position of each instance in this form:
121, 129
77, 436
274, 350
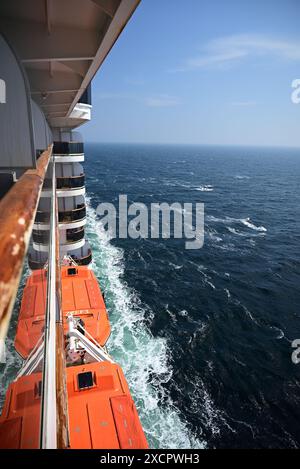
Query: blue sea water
203, 336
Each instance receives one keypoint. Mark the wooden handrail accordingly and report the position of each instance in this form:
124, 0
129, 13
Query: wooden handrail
17, 212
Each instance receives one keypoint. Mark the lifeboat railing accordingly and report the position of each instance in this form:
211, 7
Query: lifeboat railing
67, 260
34, 360
84, 341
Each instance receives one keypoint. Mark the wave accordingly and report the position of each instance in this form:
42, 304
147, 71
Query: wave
238, 303
241, 177
205, 277
280, 334
205, 188
13, 361
213, 418
9, 369
143, 357
220, 220
171, 314
243, 234
244, 221
175, 266
236, 232
252, 242
214, 237
227, 247
183, 313
187, 185
247, 222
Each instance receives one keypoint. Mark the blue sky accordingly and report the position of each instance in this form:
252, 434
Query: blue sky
201, 71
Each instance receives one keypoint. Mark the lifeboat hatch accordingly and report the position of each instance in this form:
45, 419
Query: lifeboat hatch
72, 271
85, 380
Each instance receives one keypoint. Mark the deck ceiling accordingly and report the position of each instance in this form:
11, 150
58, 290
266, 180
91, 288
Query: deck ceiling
61, 44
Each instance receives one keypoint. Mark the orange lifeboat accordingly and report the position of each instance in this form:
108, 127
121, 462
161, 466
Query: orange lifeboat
81, 296
102, 414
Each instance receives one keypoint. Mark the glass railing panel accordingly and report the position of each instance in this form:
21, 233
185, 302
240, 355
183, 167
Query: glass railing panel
66, 148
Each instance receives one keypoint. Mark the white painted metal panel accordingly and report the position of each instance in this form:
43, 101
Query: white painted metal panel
40, 128
16, 131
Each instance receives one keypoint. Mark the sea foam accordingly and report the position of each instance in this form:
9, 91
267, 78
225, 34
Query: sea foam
143, 357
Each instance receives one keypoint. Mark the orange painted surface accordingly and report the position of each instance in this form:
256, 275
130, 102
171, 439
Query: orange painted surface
102, 416
81, 296
20, 419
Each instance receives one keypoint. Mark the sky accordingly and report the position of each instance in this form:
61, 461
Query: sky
201, 72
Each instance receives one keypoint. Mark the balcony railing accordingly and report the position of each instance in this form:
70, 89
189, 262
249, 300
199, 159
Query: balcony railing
39, 264
72, 235
70, 182
34, 264
42, 217
83, 260
75, 235
72, 215
63, 216
40, 237
66, 148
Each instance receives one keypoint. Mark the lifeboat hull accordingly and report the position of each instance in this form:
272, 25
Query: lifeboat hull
102, 414
81, 296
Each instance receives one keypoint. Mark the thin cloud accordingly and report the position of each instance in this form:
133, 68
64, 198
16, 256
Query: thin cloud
226, 51
157, 100
114, 96
161, 101
243, 103
135, 81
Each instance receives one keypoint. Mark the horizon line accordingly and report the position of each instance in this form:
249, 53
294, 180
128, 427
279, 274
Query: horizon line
253, 145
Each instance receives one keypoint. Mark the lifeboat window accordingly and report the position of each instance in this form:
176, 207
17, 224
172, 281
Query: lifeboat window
85, 380
72, 271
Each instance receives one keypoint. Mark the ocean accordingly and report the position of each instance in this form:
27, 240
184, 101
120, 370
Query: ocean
203, 336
